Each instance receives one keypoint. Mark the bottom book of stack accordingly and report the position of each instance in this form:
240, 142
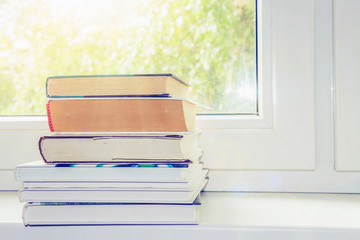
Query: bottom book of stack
81, 194
43, 214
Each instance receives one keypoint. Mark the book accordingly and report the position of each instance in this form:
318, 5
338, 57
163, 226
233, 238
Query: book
180, 149
121, 115
39, 171
156, 186
161, 85
50, 214
111, 195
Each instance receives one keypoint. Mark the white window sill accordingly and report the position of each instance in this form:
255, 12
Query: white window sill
223, 216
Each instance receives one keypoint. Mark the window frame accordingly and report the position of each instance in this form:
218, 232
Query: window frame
262, 121
274, 152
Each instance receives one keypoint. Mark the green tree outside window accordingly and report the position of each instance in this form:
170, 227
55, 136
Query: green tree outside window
210, 44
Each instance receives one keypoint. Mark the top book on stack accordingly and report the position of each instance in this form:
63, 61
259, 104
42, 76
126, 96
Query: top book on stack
131, 85
119, 103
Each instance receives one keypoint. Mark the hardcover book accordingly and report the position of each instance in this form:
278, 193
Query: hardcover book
161, 85
111, 195
39, 171
50, 214
120, 149
121, 115
118, 185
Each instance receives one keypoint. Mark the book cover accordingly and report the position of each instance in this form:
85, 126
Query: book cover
110, 195
117, 185
155, 149
121, 115
39, 171
128, 85
62, 214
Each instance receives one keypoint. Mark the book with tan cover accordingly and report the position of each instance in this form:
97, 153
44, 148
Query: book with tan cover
148, 85
121, 115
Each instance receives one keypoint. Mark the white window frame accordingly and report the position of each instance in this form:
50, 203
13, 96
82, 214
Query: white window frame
346, 85
277, 150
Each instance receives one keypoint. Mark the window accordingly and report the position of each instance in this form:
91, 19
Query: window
210, 44
289, 145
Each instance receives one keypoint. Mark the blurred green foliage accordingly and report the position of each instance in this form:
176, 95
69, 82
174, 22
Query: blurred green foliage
207, 43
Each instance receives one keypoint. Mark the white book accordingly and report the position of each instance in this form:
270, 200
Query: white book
49, 214
111, 196
120, 148
39, 171
156, 186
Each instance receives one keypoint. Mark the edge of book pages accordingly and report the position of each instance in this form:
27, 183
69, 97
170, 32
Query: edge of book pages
42, 164
134, 160
121, 97
112, 195
118, 134
170, 75
110, 219
120, 185
123, 75
39, 171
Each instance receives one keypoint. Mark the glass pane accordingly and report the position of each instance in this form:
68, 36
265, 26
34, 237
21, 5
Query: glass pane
210, 44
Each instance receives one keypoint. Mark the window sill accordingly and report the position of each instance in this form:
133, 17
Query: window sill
223, 216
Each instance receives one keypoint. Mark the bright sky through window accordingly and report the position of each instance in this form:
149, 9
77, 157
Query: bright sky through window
210, 44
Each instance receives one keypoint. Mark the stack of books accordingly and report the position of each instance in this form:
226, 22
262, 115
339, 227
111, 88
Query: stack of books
123, 150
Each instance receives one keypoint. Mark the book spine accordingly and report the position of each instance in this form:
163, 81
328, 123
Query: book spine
24, 215
47, 87
41, 139
49, 117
